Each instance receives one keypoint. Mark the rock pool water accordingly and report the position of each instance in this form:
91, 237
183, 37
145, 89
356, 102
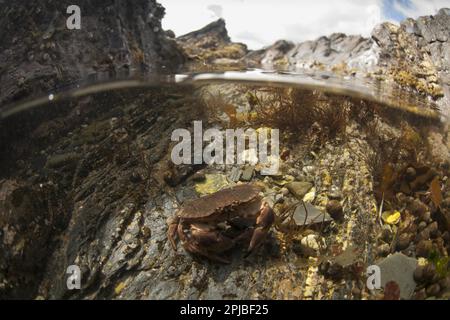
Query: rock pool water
87, 179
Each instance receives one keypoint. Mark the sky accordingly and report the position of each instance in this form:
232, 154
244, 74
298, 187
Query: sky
260, 23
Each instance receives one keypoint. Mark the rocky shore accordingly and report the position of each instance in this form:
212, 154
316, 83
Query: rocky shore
413, 54
39, 54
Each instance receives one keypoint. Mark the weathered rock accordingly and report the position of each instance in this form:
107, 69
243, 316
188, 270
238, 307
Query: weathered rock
212, 45
425, 40
55, 56
338, 51
414, 55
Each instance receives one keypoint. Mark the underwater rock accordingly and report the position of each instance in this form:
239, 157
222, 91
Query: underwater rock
391, 291
429, 272
334, 209
399, 268
309, 214
235, 174
424, 248
403, 241
311, 245
198, 177
117, 230
247, 173
26, 228
335, 194
299, 189
433, 290
383, 250
212, 183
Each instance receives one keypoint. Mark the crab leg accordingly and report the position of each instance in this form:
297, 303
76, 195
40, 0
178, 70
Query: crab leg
204, 241
264, 221
210, 238
172, 231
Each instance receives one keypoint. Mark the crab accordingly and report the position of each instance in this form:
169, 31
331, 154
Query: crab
213, 224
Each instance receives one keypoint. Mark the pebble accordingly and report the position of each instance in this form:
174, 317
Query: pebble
135, 177
446, 237
417, 208
446, 202
420, 295
425, 217
335, 194
424, 248
445, 283
403, 241
247, 173
309, 170
356, 293
335, 271
418, 274
383, 250
198, 177
334, 209
428, 272
410, 173
432, 229
284, 191
313, 242
310, 215
386, 234
279, 198
433, 290
423, 235
235, 174
292, 172
422, 226
299, 189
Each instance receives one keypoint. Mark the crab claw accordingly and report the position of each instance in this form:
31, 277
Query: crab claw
210, 238
264, 221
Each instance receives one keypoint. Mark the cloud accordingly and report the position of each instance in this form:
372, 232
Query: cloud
216, 10
417, 8
260, 23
